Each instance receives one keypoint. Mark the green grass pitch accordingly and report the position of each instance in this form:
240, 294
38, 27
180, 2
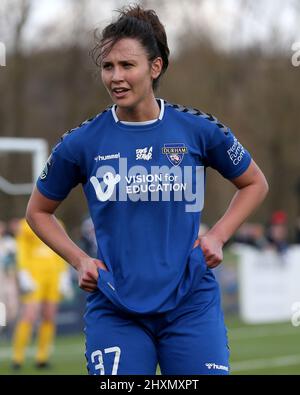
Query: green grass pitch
270, 349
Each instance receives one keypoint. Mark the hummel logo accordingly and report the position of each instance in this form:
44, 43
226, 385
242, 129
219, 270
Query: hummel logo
113, 288
107, 157
215, 366
141, 153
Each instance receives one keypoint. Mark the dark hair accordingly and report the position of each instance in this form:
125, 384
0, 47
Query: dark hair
143, 25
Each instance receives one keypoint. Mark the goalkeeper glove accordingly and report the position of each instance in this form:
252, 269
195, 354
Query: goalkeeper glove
65, 285
26, 282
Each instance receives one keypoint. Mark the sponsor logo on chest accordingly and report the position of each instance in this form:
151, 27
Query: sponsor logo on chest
144, 153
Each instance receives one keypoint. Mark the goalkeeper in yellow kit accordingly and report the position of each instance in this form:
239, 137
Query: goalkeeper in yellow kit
43, 280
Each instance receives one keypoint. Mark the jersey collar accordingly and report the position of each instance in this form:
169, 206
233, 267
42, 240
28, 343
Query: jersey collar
160, 117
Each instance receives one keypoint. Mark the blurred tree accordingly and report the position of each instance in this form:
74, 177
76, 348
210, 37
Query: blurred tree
14, 17
17, 13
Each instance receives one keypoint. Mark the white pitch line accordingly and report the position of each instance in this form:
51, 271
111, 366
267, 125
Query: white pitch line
59, 350
267, 363
246, 333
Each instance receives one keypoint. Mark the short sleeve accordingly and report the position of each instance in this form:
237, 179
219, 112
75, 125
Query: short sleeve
226, 154
61, 173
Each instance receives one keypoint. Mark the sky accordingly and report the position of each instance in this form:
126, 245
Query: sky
226, 21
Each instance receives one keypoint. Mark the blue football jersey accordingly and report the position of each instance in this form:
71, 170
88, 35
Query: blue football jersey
144, 184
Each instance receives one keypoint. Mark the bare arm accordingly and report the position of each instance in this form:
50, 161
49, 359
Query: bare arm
40, 216
252, 190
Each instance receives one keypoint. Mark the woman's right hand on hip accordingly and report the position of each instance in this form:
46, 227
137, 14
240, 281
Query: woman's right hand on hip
88, 273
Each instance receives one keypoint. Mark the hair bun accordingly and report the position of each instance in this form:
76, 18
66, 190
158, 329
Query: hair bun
138, 23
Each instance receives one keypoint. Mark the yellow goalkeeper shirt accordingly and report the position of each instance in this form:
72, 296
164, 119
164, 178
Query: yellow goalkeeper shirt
34, 255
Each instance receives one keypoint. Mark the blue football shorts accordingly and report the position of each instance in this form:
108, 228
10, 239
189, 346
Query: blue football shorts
190, 339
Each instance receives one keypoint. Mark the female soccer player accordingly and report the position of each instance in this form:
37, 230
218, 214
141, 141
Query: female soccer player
141, 162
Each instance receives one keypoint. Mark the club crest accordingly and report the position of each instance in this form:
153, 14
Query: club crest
175, 152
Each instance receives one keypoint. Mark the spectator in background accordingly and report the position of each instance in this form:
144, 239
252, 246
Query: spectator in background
297, 230
13, 227
11, 234
88, 240
3, 255
43, 280
277, 233
8, 290
252, 234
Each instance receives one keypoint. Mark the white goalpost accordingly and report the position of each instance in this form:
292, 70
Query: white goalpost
39, 150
